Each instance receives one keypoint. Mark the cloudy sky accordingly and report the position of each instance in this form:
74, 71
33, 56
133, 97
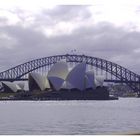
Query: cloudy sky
109, 29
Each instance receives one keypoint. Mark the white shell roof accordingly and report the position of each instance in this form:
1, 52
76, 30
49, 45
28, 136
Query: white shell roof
88, 82
21, 85
40, 80
91, 78
99, 80
56, 82
59, 69
67, 85
14, 87
76, 76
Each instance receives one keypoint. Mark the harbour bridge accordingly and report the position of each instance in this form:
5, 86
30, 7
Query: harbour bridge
112, 71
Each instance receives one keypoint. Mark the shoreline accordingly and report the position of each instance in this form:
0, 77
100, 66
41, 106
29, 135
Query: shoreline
39, 99
101, 93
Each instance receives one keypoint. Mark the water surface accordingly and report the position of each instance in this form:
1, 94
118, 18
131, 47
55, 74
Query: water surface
70, 117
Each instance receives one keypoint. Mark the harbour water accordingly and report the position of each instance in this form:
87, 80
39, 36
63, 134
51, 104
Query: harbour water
70, 117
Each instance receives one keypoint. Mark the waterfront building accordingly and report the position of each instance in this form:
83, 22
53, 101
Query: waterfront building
10, 87
37, 82
59, 77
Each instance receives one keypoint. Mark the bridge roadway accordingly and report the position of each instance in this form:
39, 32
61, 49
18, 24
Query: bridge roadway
122, 74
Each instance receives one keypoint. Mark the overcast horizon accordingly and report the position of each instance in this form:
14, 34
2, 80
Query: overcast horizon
107, 29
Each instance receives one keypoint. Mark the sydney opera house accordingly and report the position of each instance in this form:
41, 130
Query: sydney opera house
62, 82
59, 77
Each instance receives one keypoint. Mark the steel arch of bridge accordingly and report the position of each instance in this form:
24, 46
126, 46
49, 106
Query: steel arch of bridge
124, 75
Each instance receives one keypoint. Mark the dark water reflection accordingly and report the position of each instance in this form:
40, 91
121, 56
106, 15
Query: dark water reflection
70, 117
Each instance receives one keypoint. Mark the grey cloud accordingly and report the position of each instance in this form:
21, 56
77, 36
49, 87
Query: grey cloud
3, 21
25, 36
68, 12
28, 45
101, 40
50, 17
20, 13
104, 40
65, 13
